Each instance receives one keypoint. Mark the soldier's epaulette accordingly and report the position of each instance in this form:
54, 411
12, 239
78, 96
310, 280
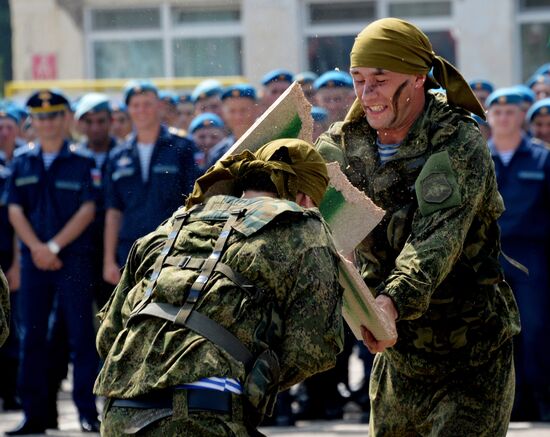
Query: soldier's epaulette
29, 147
177, 132
117, 149
79, 150
539, 143
315, 213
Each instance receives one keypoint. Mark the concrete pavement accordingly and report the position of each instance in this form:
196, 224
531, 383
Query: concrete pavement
69, 427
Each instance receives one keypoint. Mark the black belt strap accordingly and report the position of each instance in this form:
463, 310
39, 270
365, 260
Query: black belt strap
204, 326
197, 400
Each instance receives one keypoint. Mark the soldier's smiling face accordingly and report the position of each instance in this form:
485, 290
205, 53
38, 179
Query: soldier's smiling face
391, 101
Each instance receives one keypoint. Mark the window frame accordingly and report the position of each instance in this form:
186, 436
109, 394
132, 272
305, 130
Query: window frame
167, 32
526, 16
382, 7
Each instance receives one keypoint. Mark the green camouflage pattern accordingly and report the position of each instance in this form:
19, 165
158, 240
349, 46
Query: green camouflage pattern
280, 247
4, 309
475, 401
440, 268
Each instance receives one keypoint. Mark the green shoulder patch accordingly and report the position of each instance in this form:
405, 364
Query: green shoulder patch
436, 186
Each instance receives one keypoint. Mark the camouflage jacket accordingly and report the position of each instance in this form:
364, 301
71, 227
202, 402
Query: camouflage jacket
436, 251
4, 309
278, 246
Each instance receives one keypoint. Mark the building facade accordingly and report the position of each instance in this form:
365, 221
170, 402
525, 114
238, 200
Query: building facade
500, 40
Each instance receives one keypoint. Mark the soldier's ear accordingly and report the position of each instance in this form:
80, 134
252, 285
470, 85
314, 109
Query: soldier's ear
304, 200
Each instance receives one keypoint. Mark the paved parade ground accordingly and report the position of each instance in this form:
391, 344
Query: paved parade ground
349, 428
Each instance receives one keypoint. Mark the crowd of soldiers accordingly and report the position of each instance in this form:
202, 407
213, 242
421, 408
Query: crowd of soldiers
81, 180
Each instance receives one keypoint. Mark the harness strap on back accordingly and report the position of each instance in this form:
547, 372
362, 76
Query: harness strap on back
204, 326
179, 221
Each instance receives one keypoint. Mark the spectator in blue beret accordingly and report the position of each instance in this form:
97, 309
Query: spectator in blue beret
186, 111
121, 124
207, 97
274, 84
306, 79
168, 108
538, 119
334, 92
540, 85
482, 89
207, 130
320, 121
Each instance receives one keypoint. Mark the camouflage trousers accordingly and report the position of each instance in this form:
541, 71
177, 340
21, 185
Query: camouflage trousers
175, 421
475, 401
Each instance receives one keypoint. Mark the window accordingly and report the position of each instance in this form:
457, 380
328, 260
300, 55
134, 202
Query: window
165, 41
127, 59
534, 36
207, 56
420, 9
185, 16
342, 12
535, 47
533, 4
118, 19
330, 28
329, 52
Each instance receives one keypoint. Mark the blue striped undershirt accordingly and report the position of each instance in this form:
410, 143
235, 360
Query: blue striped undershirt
214, 383
387, 151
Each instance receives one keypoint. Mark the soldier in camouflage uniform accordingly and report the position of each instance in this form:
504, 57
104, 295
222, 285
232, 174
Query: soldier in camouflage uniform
4, 309
272, 295
433, 260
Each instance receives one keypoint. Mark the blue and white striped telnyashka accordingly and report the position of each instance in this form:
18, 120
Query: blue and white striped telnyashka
214, 383
387, 151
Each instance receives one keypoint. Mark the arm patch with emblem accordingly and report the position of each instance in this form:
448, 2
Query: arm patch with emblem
436, 186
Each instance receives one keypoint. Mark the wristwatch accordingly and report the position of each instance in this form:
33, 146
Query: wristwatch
54, 247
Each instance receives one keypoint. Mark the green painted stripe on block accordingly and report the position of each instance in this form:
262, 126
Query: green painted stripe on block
292, 129
332, 203
356, 294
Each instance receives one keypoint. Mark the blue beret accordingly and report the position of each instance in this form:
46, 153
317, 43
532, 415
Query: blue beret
46, 101
319, 114
481, 84
239, 90
540, 107
306, 77
206, 119
92, 102
543, 69
9, 111
504, 96
526, 93
277, 76
118, 107
185, 98
538, 78
138, 87
168, 97
206, 88
21, 112
333, 79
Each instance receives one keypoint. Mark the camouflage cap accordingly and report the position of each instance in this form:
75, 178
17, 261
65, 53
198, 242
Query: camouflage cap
306, 172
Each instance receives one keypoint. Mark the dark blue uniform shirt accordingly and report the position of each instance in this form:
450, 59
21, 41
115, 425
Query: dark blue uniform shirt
145, 205
525, 187
50, 198
6, 230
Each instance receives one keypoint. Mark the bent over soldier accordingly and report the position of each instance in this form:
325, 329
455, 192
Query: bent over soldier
228, 302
